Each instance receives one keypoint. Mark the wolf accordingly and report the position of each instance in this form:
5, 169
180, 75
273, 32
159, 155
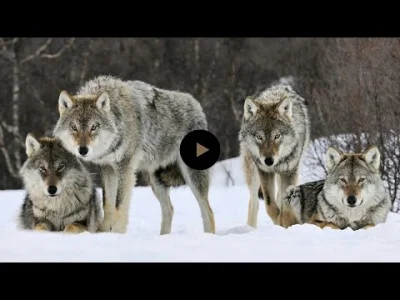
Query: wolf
126, 127
273, 137
352, 194
60, 194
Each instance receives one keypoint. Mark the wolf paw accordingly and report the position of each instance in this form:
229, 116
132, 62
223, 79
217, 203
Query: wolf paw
107, 224
119, 228
41, 227
74, 228
105, 227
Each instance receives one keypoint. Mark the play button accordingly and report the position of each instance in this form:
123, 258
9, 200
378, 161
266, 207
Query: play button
200, 149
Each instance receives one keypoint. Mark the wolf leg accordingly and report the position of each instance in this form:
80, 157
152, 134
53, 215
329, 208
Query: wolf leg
199, 182
109, 179
126, 183
167, 210
268, 188
285, 180
291, 207
253, 184
75, 228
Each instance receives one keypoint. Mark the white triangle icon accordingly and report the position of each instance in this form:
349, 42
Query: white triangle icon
200, 149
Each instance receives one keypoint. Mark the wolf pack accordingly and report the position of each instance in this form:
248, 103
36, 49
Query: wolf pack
126, 127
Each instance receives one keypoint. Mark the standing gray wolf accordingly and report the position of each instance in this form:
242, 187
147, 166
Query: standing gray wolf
273, 137
352, 194
60, 192
127, 127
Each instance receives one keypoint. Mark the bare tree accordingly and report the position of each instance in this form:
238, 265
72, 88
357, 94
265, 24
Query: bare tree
351, 87
10, 52
360, 103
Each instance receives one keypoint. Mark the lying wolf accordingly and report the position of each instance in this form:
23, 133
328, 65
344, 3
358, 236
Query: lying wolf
60, 194
352, 194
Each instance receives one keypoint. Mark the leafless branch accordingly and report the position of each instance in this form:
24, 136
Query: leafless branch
60, 51
85, 63
13, 130
4, 44
43, 47
4, 53
231, 96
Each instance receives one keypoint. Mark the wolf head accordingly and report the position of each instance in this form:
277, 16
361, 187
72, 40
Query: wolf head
84, 125
50, 168
267, 129
353, 179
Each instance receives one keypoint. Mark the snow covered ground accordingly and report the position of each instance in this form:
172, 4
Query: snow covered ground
234, 241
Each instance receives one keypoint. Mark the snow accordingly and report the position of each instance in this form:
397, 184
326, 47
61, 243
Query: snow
233, 242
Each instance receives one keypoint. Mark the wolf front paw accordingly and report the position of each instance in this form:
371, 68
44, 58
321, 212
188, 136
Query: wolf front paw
74, 228
118, 229
331, 225
42, 227
106, 226
252, 224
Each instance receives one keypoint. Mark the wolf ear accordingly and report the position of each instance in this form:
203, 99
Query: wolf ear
285, 108
103, 101
64, 102
333, 157
372, 157
32, 144
250, 108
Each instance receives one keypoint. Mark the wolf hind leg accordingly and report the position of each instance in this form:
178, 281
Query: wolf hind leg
199, 183
161, 191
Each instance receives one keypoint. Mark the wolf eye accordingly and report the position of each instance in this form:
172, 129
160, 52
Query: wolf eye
61, 167
342, 180
259, 137
361, 179
277, 136
42, 169
94, 127
73, 127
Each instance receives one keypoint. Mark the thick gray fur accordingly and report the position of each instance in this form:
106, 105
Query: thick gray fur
275, 125
139, 129
323, 202
76, 202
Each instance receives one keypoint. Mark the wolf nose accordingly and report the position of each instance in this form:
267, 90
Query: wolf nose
83, 150
52, 189
351, 200
269, 161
